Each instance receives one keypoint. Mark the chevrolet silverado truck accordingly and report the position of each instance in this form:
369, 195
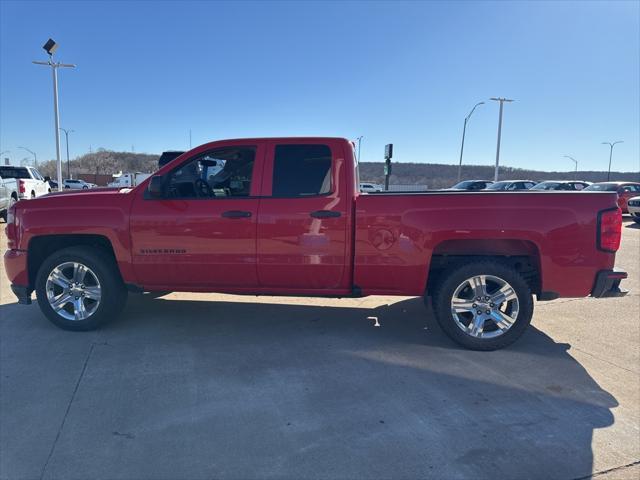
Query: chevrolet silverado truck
284, 216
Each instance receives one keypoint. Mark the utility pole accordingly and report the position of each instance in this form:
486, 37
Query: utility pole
611, 145
575, 174
464, 130
501, 100
35, 157
66, 134
50, 47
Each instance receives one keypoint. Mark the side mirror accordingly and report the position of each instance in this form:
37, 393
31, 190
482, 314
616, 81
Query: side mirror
47, 179
156, 186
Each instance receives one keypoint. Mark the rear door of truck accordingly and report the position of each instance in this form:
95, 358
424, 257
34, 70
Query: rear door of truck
303, 217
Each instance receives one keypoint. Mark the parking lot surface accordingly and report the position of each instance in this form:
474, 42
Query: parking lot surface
201, 386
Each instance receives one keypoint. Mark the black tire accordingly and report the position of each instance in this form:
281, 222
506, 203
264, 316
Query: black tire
444, 294
102, 265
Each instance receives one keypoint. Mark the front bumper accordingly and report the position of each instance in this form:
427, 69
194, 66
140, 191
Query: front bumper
608, 284
23, 294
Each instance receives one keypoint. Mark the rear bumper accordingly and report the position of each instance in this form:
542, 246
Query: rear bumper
608, 284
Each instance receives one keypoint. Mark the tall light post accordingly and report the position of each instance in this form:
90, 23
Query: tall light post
35, 157
66, 134
50, 47
611, 145
575, 174
501, 100
464, 131
359, 145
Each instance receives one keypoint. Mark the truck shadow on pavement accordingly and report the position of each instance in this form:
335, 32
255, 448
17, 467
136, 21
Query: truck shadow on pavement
203, 389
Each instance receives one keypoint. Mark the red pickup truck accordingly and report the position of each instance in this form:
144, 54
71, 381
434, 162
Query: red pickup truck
284, 216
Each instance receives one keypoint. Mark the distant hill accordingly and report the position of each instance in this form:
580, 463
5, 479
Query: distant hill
433, 175
104, 162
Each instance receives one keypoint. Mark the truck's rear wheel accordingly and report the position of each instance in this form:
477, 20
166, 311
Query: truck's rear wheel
483, 305
79, 288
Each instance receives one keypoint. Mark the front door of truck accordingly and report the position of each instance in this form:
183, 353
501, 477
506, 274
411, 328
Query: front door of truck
303, 218
202, 232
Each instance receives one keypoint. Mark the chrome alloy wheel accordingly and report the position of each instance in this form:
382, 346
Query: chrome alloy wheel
484, 306
73, 291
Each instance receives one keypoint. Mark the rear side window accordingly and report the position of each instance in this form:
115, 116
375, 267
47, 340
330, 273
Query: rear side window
14, 172
301, 170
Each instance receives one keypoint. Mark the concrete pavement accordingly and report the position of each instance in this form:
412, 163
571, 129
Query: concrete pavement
201, 386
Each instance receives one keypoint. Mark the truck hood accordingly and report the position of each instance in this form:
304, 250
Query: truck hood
88, 191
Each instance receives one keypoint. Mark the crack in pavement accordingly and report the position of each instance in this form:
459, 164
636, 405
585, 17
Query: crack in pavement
66, 413
609, 470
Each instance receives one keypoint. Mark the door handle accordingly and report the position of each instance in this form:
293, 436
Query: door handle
325, 214
236, 214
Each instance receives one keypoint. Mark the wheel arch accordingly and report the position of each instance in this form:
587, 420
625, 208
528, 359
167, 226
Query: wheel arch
42, 246
521, 255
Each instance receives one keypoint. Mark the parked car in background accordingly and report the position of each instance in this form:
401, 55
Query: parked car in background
8, 195
370, 187
128, 180
471, 185
511, 185
53, 185
284, 216
30, 183
570, 185
633, 206
77, 184
625, 191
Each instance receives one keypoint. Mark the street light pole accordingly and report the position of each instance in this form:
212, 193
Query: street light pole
35, 157
66, 134
611, 145
575, 174
359, 144
501, 100
464, 131
50, 47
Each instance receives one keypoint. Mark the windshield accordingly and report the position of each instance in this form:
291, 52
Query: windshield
546, 186
603, 187
14, 172
499, 186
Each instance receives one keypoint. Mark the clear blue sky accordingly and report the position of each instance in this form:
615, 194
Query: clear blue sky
396, 72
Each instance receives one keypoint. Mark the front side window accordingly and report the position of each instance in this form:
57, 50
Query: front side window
218, 174
301, 170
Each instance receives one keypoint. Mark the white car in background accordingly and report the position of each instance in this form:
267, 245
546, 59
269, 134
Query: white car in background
633, 205
30, 183
370, 187
77, 184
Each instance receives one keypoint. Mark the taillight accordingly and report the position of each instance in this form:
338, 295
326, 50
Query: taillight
22, 187
609, 229
11, 228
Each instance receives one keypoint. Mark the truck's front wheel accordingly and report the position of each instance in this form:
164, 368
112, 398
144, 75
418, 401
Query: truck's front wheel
483, 305
79, 288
